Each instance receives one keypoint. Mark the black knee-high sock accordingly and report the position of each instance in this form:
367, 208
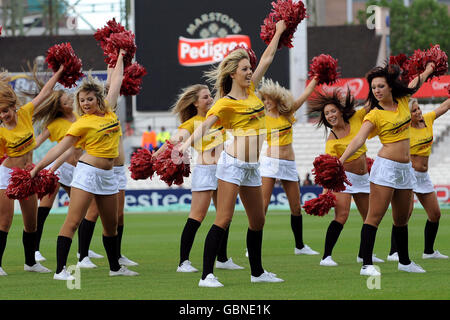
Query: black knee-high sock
368, 234
297, 229
222, 253
333, 232
401, 238
212, 243
119, 240
29, 246
187, 238
85, 233
62, 252
110, 244
254, 245
3, 238
393, 243
431, 229
42, 215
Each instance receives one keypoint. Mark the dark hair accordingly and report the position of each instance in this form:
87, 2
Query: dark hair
391, 73
319, 101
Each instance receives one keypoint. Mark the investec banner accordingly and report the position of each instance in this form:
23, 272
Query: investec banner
179, 40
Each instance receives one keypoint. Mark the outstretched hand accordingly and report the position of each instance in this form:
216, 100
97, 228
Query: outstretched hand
281, 26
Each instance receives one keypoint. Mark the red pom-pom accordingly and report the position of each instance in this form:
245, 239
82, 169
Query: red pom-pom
320, 206
63, 54
369, 162
404, 63
132, 79
111, 27
291, 12
45, 183
420, 59
20, 185
325, 68
251, 54
172, 165
329, 173
116, 41
141, 166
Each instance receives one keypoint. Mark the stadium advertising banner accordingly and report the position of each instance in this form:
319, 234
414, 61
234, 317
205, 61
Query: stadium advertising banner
178, 41
360, 88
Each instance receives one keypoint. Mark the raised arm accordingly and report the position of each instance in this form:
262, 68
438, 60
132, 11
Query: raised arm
116, 80
423, 76
443, 108
357, 141
47, 89
42, 137
62, 158
199, 132
180, 136
269, 54
54, 153
305, 95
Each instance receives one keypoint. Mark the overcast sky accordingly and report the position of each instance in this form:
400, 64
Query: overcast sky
96, 12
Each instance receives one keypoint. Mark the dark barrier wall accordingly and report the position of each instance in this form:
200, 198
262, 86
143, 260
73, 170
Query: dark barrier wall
159, 26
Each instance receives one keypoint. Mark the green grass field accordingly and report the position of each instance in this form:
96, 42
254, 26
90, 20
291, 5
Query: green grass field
153, 241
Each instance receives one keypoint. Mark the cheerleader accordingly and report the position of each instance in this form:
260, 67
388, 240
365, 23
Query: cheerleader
241, 111
344, 122
279, 161
421, 141
56, 115
97, 131
391, 177
17, 142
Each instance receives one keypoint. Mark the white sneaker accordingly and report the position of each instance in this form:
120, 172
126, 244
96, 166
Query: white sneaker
210, 282
369, 270
63, 275
123, 271
92, 255
305, 250
328, 262
37, 267
39, 257
412, 267
186, 266
392, 257
435, 255
374, 259
246, 253
86, 263
229, 264
266, 277
124, 261
2, 272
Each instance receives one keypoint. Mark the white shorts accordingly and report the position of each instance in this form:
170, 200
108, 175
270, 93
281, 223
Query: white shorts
119, 172
360, 183
94, 180
64, 173
5, 174
239, 172
423, 184
392, 174
204, 177
278, 169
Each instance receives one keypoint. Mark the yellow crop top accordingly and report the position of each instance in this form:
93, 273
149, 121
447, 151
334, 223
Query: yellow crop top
245, 117
20, 140
422, 139
391, 126
279, 130
58, 128
336, 147
99, 136
215, 136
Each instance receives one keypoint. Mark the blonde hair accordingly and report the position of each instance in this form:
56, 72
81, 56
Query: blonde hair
50, 109
220, 76
184, 106
280, 95
411, 102
7, 95
91, 84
